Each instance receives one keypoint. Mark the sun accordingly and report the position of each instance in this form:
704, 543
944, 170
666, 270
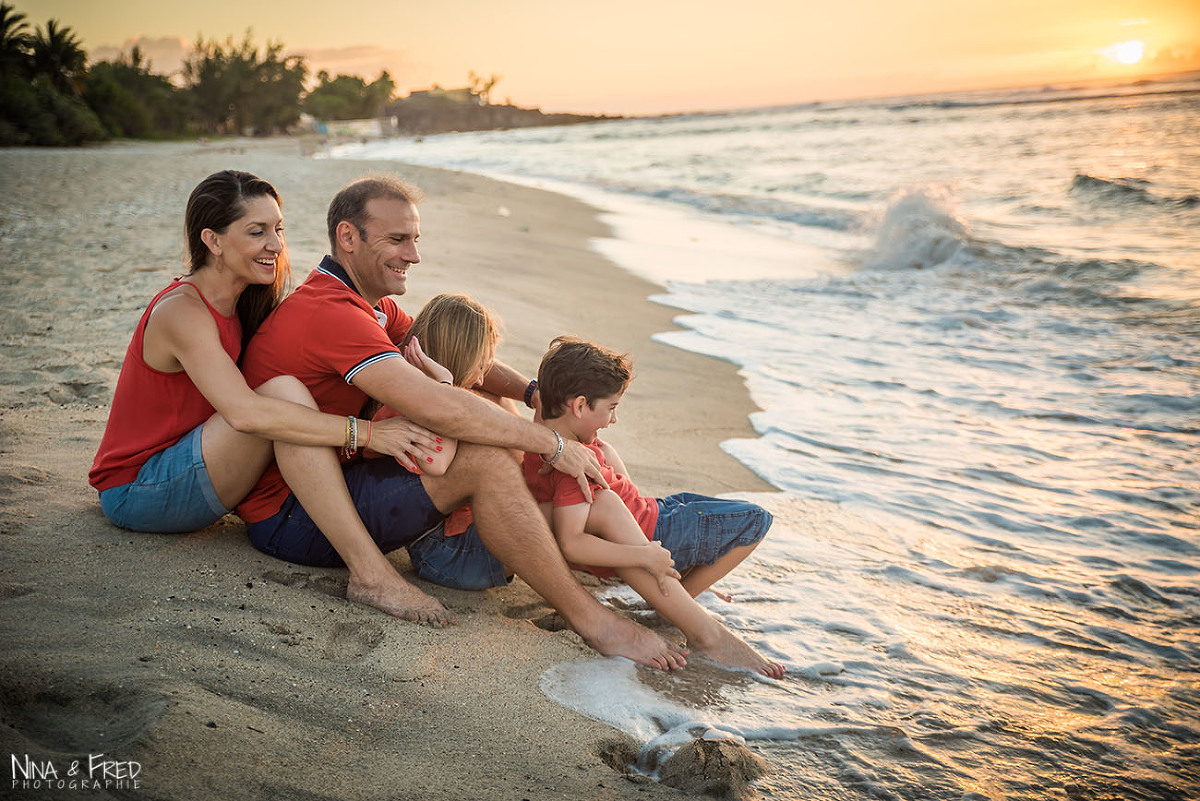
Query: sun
1127, 53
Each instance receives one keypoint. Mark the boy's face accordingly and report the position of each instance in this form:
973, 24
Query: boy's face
590, 418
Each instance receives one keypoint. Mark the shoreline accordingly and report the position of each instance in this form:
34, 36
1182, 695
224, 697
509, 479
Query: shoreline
225, 673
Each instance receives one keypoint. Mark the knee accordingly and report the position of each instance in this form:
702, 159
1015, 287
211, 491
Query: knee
761, 521
288, 388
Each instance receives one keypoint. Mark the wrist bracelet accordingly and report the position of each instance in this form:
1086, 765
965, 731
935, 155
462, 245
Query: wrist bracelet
558, 452
351, 446
529, 390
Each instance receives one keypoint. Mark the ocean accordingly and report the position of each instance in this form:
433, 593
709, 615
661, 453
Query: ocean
972, 324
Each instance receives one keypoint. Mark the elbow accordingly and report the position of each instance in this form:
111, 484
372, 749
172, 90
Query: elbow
242, 424
243, 420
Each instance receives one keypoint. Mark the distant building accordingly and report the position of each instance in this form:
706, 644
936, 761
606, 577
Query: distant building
463, 96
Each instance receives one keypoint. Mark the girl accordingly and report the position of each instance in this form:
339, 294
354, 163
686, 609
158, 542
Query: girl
452, 340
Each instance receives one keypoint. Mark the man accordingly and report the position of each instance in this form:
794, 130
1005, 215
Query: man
336, 333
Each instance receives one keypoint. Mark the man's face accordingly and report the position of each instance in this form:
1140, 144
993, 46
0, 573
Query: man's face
381, 258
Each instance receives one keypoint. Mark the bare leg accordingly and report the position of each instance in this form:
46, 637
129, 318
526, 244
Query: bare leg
315, 477
513, 529
700, 578
235, 461
705, 634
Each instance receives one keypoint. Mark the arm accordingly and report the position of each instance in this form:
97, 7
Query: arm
612, 457
569, 524
507, 382
463, 415
181, 334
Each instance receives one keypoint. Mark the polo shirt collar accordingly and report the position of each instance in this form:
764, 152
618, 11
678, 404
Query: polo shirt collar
330, 267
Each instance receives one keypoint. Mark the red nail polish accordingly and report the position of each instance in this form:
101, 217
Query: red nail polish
429, 458
439, 439
439, 448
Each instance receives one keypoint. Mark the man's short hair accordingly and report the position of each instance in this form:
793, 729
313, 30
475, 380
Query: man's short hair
572, 367
350, 204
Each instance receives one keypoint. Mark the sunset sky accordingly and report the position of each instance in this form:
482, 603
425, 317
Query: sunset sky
643, 56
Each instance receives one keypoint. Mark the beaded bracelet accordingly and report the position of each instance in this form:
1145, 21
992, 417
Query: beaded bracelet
529, 390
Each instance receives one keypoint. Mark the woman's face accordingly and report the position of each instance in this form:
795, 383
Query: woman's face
251, 245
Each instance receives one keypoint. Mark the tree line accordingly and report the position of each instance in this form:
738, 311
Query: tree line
50, 96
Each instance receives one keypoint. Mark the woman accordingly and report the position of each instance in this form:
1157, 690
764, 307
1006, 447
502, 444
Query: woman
187, 438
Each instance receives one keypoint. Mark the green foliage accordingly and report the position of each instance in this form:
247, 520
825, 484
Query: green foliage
133, 102
14, 41
37, 114
56, 57
39, 85
236, 89
348, 97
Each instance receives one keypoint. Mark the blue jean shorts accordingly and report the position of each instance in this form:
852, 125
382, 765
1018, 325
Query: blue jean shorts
172, 492
398, 513
699, 530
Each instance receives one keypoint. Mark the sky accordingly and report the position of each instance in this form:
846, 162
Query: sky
663, 56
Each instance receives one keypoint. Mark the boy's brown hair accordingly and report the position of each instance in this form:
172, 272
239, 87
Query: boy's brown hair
572, 367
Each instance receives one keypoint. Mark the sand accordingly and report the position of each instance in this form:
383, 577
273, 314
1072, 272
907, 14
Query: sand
222, 673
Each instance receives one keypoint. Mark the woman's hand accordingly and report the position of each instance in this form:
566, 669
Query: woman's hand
417, 358
412, 445
658, 561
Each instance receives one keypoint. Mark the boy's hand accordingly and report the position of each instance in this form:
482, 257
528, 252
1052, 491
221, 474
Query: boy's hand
658, 561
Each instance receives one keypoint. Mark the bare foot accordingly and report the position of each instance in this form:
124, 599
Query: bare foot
730, 650
398, 598
620, 637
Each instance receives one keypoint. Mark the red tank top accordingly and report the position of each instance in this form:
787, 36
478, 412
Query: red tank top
151, 409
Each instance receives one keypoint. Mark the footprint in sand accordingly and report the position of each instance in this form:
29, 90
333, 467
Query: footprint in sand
67, 715
349, 642
328, 585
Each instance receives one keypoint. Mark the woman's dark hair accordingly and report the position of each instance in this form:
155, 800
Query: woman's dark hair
216, 202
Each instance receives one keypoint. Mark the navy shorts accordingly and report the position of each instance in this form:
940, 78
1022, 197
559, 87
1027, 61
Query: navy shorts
699, 530
172, 492
398, 513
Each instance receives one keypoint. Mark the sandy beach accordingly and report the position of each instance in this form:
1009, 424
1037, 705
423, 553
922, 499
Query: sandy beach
221, 672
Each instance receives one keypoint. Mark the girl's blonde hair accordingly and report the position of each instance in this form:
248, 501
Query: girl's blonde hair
457, 333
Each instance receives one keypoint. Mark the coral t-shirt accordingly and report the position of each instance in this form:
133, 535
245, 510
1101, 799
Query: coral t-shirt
323, 334
563, 490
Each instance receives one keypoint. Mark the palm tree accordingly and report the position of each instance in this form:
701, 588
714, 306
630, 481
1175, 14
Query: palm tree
14, 39
58, 56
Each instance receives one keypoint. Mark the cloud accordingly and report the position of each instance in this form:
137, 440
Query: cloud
365, 61
166, 54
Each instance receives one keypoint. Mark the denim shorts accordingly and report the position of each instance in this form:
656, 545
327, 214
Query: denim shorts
172, 492
699, 530
398, 513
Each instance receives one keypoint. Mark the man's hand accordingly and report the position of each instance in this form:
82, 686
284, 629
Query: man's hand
581, 464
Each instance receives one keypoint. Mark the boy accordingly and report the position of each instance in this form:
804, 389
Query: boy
648, 542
